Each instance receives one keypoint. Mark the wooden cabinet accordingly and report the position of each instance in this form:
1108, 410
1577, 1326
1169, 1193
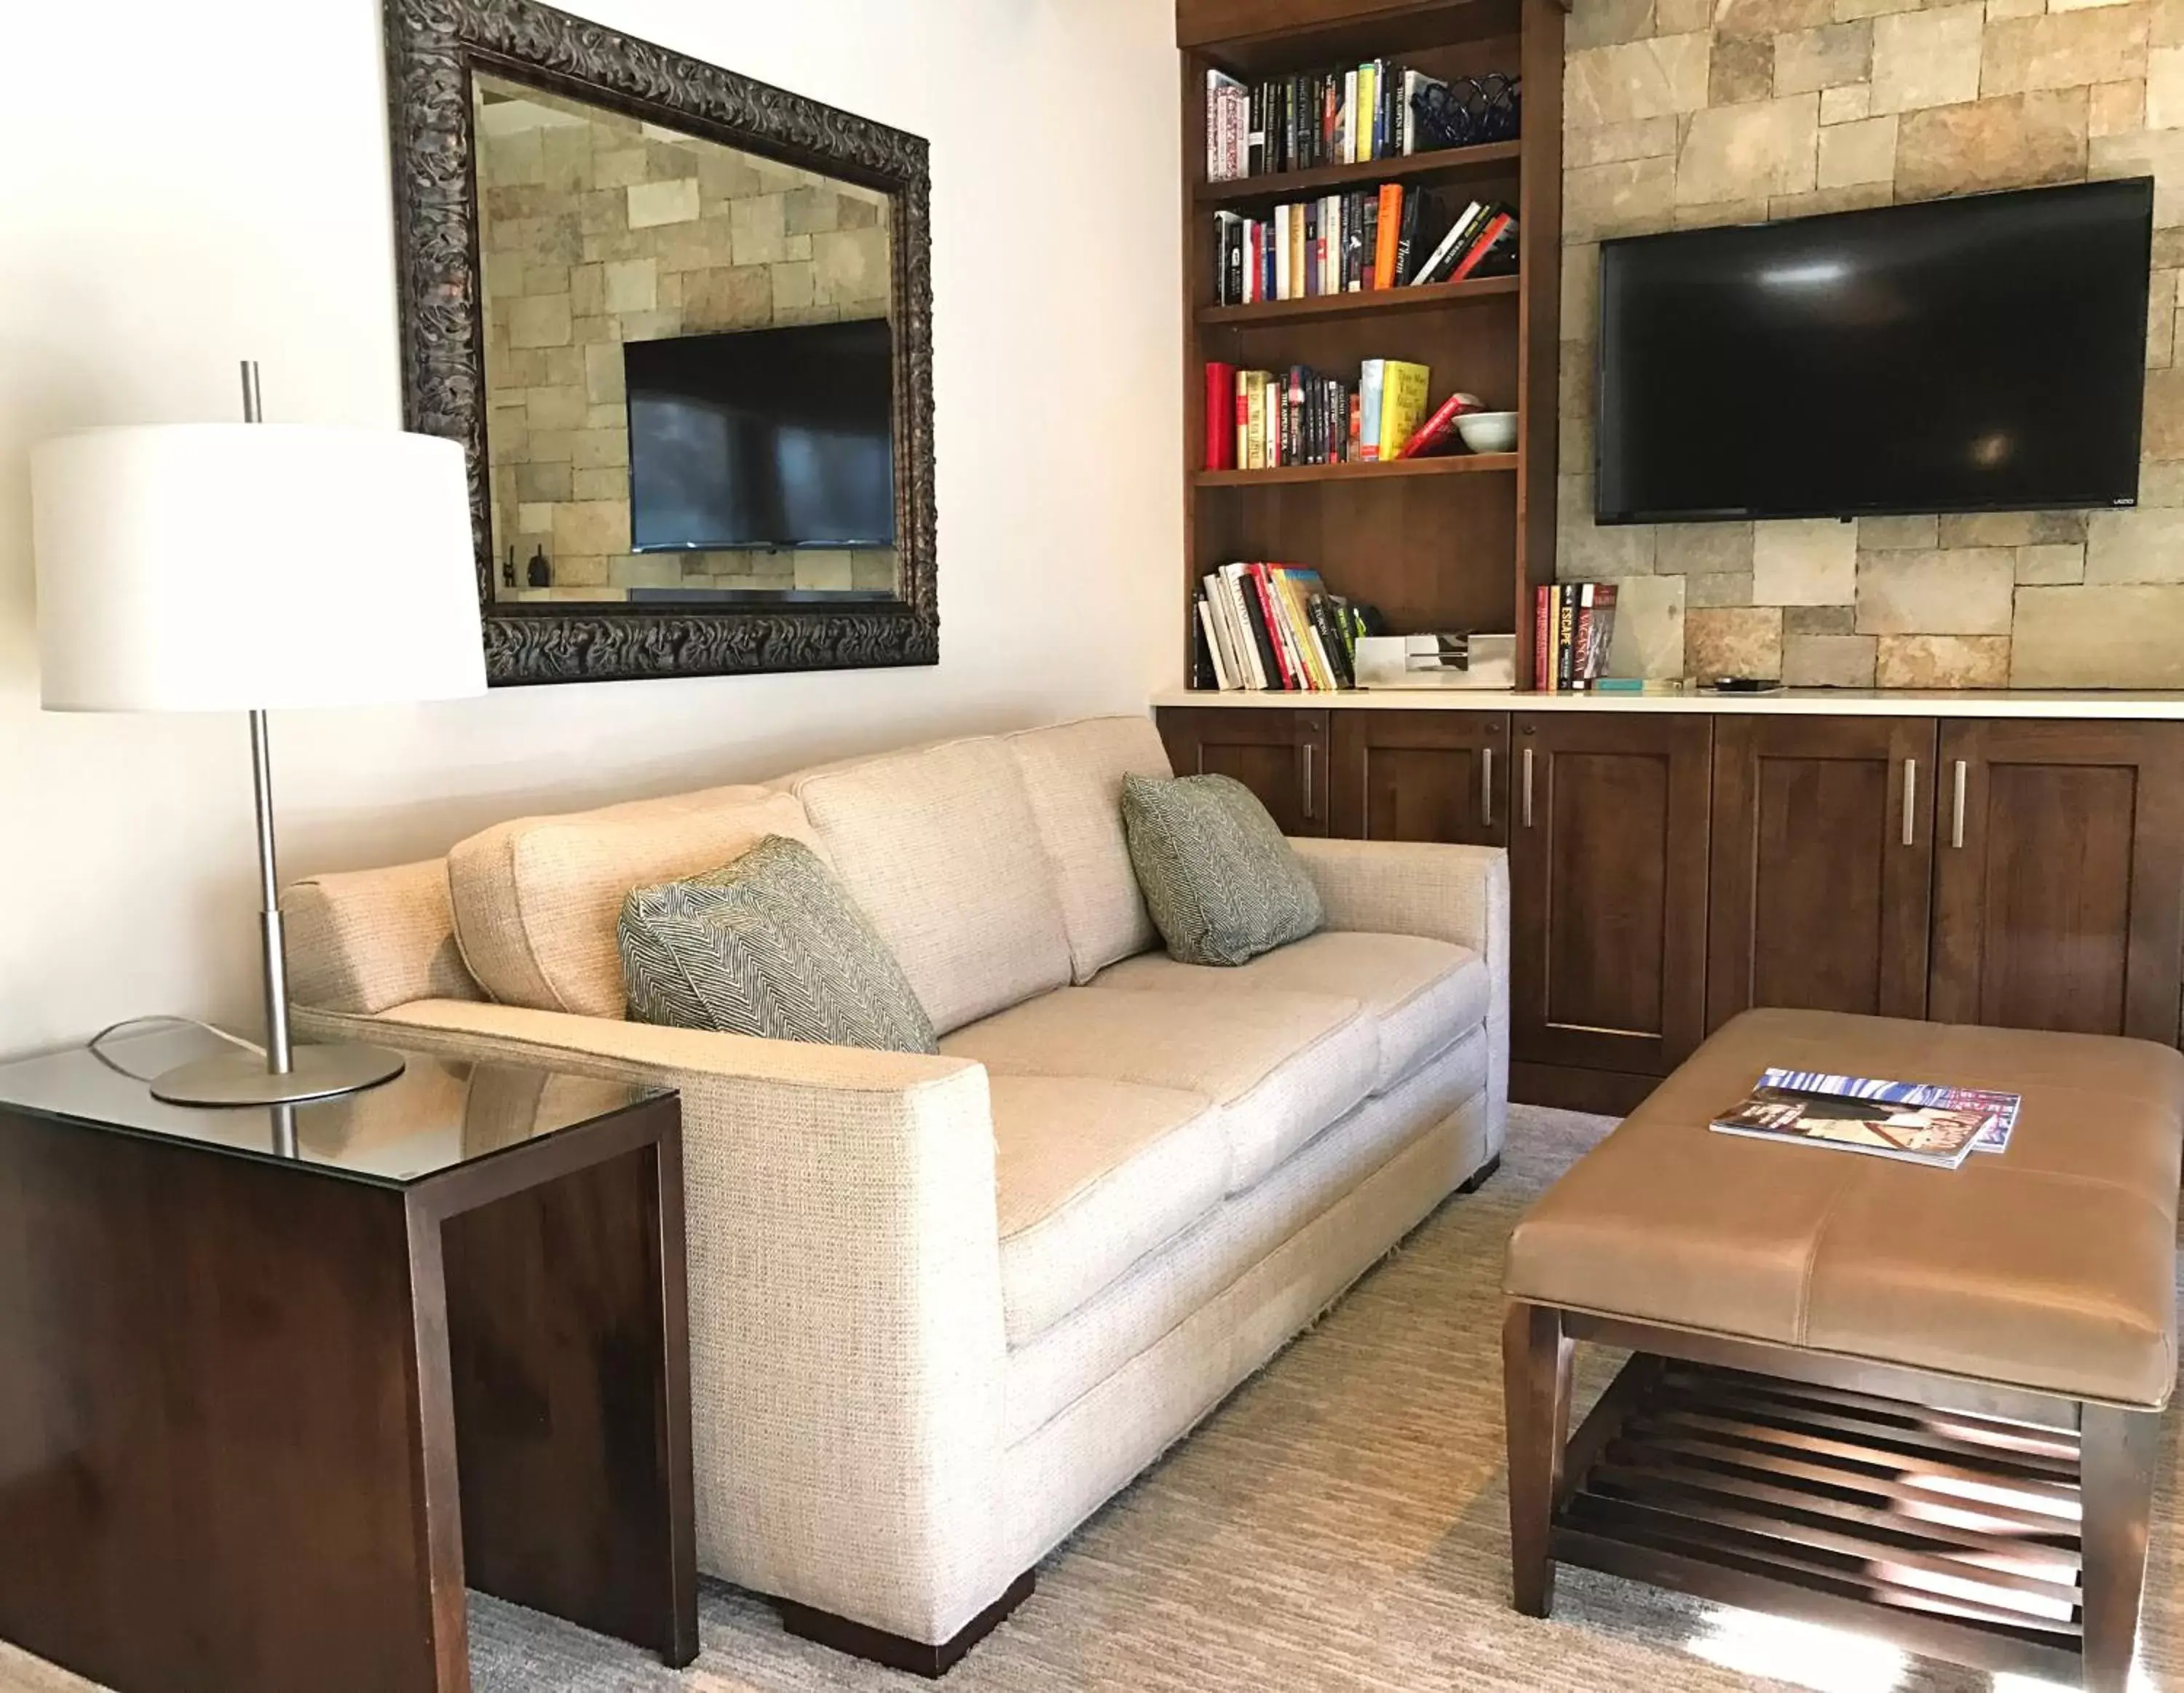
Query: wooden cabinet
1278, 753
1669, 869
2059, 880
1822, 860
1607, 876
1421, 776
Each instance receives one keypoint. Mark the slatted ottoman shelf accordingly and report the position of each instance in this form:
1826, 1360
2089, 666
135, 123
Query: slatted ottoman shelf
1922, 1402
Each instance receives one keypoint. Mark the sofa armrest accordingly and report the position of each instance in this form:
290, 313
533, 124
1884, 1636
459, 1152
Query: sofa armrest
1458, 893
846, 1341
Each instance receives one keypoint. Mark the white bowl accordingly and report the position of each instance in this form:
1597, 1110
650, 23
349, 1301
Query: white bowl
1488, 431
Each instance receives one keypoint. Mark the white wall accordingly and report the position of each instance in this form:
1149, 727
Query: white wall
189, 186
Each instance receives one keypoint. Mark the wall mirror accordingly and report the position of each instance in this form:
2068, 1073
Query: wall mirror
681, 320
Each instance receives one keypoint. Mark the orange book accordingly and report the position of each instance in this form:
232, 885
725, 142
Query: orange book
1389, 228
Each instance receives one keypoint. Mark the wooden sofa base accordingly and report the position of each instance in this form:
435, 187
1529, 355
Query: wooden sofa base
900, 1651
1988, 1526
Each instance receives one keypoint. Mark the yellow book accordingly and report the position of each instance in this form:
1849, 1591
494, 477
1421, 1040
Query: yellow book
1361, 115
1402, 404
1300, 620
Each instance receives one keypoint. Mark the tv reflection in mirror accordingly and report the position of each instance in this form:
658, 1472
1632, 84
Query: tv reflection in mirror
769, 438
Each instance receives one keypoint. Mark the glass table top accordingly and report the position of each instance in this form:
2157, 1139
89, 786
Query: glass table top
439, 1114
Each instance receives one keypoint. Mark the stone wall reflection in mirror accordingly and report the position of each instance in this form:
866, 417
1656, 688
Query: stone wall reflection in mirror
596, 229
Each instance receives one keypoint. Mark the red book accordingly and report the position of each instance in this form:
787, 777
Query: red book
1440, 426
1542, 617
1481, 246
1220, 417
1256, 576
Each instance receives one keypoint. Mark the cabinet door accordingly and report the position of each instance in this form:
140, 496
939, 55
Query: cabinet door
1823, 860
2058, 882
1278, 753
1608, 875
1422, 775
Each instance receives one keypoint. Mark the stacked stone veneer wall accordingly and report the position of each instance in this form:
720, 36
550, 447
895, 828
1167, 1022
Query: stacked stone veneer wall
1681, 113
597, 230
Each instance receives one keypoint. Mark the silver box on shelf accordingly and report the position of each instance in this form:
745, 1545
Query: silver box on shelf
1460, 660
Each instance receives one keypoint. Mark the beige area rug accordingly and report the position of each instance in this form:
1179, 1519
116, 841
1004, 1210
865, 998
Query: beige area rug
1339, 1524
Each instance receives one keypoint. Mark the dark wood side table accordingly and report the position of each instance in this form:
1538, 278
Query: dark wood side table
275, 1384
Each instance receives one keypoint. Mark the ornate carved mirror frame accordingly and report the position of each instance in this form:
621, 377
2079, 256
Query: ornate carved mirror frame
432, 49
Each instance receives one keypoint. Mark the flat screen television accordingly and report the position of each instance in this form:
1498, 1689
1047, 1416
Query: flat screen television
1974, 355
763, 437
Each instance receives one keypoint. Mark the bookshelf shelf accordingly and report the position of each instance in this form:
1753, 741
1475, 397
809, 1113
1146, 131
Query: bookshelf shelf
1455, 464
1451, 164
1432, 297
1447, 542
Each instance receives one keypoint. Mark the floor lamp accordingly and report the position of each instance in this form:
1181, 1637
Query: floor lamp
249, 567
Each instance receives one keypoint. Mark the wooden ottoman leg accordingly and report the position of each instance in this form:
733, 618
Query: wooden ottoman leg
2117, 1471
1536, 1383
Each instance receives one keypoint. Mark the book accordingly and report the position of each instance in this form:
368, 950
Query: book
1442, 251
1251, 618
1220, 416
1565, 638
1388, 217
1440, 425
1403, 389
1499, 236
1595, 630
1208, 653
1227, 127
2000, 1109
1406, 237
1915, 1123
1543, 620
1369, 376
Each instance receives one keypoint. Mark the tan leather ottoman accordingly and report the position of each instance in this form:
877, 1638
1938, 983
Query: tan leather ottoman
1924, 1401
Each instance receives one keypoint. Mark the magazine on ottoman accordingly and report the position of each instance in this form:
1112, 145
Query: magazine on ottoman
1919, 1122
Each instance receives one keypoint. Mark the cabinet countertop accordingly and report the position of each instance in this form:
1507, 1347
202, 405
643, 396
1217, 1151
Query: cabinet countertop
2106, 705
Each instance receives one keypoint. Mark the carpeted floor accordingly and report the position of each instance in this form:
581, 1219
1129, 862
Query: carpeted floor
1338, 1524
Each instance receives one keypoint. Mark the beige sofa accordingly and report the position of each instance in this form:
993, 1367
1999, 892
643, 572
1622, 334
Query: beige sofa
942, 1307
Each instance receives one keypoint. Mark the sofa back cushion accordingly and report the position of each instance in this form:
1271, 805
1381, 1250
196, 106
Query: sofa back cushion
770, 946
536, 899
1073, 775
941, 848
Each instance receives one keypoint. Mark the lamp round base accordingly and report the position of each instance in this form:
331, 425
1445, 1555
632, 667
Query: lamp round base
241, 1078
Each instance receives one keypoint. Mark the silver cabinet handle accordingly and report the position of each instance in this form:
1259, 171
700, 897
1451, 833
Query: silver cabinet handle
1528, 788
1306, 748
1957, 829
1487, 786
1910, 800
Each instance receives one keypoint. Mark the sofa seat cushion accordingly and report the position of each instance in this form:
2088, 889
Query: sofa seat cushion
1422, 994
1280, 1066
1093, 1176
940, 847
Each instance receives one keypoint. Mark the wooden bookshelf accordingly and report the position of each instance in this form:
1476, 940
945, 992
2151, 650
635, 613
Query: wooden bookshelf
1444, 542
1448, 464
1453, 164
1431, 297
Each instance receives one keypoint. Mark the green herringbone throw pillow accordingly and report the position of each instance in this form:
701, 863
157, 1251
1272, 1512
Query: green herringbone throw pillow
770, 945
1221, 883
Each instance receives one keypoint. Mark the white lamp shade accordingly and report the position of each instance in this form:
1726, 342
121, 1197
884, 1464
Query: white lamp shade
216, 567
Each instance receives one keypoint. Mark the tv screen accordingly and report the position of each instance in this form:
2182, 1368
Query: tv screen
1973, 355
764, 438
